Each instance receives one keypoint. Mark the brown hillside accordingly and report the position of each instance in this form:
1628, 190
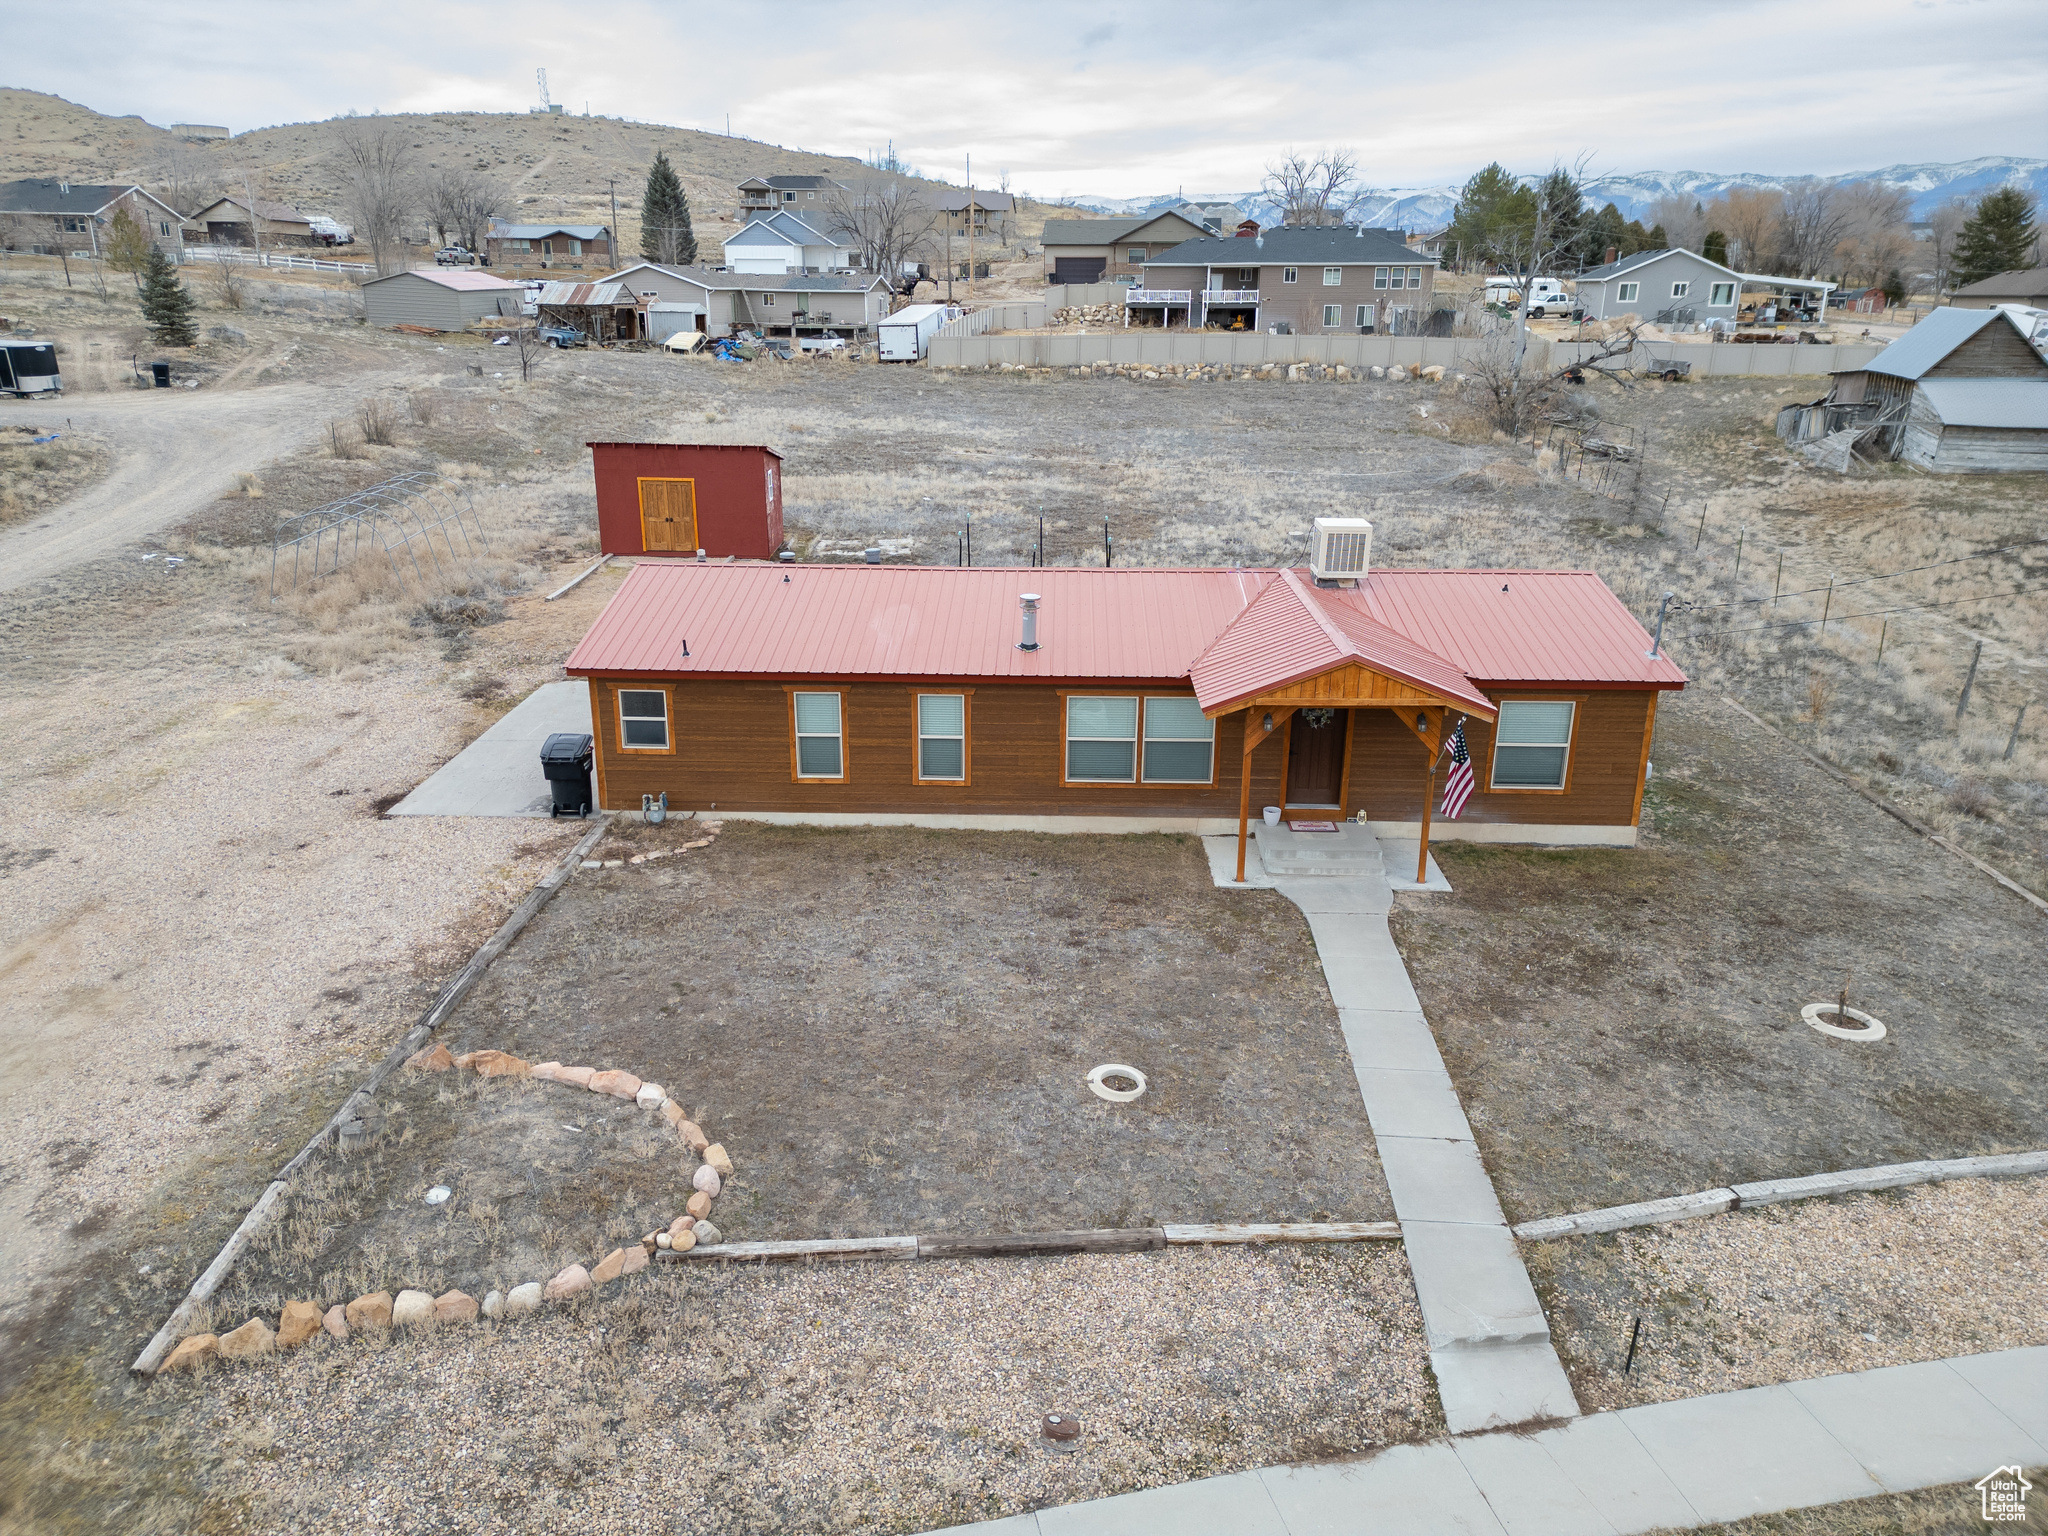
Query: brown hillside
556, 167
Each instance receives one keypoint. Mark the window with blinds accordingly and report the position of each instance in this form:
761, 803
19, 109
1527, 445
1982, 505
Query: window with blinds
942, 737
1532, 743
1180, 741
820, 742
1102, 739
668, 515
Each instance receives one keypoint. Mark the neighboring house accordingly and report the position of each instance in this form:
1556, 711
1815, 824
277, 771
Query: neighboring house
679, 498
2030, 288
601, 311
787, 242
1102, 250
1217, 218
801, 194
1962, 392
963, 210
1679, 287
906, 695
1326, 280
439, 300
575, 246
226, 222
41, 214
1429, 242
785, 304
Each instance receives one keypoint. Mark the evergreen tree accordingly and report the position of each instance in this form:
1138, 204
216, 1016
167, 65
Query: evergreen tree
665, 234
1716, 248
126, 245
166, 304
1659, 241
1495, 214
1998, 237
1605, 229
1564, 212
1895, 287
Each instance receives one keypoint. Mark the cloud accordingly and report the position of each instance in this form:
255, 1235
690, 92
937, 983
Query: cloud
1204, 102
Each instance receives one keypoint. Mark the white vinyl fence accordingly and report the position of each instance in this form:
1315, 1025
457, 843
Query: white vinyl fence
973, 349
283, 261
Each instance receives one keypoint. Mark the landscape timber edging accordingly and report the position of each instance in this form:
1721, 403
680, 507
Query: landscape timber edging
167, 1337
1040, 1244
1812, 1186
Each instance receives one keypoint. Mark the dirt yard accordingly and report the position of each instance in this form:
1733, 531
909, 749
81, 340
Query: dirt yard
1654, 993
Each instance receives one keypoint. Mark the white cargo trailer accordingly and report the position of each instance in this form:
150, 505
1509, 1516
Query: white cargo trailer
906, 335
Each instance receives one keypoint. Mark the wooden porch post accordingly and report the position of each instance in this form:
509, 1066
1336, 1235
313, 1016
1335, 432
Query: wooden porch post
1428, 797
1258, 725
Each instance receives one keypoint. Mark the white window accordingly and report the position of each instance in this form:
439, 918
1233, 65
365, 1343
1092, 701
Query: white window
1102, 739
1625, 293
768, 299
1180, 742
1721, 296
1415, 277
643, 719
1531, 744
1680, 290
1379, 277
1365, 317
1137, 254
1289, 274
1333, 316
1333, 277
942, 737
820, 753
1399, 279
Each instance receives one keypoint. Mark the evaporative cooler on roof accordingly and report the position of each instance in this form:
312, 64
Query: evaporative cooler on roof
1341, 550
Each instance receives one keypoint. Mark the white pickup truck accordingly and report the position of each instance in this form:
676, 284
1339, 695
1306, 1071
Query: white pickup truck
1546, 295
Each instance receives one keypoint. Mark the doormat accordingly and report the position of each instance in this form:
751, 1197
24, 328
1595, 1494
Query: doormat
1312, 826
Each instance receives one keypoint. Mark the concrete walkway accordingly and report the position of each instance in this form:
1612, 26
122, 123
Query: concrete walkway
1701, 1461
1489, 1343
499, 774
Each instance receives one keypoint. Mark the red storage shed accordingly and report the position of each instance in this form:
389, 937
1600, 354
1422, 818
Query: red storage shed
678, 498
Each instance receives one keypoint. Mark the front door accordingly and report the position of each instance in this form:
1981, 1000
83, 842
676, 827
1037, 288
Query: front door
1315, 756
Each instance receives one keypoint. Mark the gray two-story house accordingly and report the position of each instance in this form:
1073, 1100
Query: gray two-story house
1347, 280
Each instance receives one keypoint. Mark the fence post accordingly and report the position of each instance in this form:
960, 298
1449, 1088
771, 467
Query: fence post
1969, 681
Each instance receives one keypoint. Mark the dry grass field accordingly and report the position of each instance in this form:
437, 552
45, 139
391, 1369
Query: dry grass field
209, 931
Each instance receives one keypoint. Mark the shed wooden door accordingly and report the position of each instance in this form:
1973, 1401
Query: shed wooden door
668, 515
1315, 759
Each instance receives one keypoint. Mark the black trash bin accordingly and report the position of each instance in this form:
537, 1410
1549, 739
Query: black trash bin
566, 759
163, 374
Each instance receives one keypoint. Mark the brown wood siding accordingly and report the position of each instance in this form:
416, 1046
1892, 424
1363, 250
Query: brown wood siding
733, 751
1996, 352
1388, 762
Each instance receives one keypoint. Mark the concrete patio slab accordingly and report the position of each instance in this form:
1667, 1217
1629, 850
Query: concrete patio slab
1396, 1039
1406, 1490
1222, 852
1399, 858
1438, 1179
498, 774
1237, 1505
1471, 1284
1917, 1425
2016, 1382
1621, 1480
1738, 1454
1413, 1104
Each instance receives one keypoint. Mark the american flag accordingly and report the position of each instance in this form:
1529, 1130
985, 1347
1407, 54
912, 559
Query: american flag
1458, 784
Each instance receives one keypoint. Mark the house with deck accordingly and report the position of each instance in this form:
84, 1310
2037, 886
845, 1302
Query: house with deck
775, 303
1093, 700
1109, 250
1318, 281
799, 194
789, 242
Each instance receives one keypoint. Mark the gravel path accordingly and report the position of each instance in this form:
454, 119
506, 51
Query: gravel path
1790, 1291
878, 1397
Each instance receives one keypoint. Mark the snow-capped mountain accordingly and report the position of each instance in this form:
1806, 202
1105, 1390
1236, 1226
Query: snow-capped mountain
1414, 208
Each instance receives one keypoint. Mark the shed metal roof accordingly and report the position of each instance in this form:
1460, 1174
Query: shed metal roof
571, 295
1931, 340
466, 281
2030, 283
2017, 403
1445, 630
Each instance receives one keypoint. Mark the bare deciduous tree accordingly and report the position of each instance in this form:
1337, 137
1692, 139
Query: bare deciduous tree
1816, 216
1751, 218
1512, 397
531, 349
460, 203
1313, 189
378, 186
187, 178
886, 221
227, 278
1682, 217
1877, 238
1945, 222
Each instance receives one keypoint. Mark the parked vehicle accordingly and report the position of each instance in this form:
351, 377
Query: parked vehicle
29, 368
824, 343
563, 336
1546, 291
454, 256
328, 232
906, 336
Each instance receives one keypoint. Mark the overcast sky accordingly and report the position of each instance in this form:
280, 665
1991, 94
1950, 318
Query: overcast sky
1109, 99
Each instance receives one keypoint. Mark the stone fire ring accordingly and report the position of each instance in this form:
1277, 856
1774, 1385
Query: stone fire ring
1102, 1090
1816, 1013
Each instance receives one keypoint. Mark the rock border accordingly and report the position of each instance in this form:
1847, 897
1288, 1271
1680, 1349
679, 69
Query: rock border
1711, 1202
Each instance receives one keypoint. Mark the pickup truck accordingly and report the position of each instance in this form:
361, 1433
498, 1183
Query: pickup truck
1546, 295
563, 336
825, 343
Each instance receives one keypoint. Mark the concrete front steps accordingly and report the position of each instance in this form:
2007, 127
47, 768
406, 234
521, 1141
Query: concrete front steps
1350, 850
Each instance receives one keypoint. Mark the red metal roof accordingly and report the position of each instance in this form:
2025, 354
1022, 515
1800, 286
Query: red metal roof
1236, 632
910, 621
465, 280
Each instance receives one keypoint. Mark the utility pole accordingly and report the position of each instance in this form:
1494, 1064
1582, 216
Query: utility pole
613, 184
970, 226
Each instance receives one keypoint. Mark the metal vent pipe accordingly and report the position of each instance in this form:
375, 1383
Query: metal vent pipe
1029, 604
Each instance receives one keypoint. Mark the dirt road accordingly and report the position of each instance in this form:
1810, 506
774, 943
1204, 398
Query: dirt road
174, 452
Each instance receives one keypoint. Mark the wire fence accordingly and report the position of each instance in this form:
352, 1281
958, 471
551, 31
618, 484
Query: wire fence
405, 517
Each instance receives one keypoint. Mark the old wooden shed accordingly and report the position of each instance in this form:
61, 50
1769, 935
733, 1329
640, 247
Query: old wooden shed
678, 498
